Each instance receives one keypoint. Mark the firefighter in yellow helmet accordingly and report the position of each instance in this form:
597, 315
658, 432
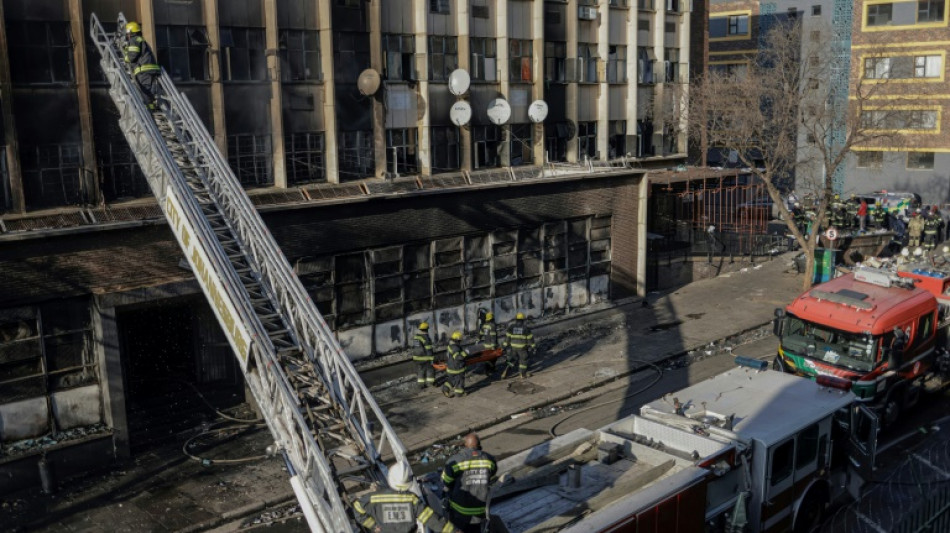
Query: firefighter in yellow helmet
455, 367
488, 333
520, 344
397, 509
145, 69
422, 356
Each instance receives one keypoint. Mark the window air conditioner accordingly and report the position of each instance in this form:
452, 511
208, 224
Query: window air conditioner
587, 13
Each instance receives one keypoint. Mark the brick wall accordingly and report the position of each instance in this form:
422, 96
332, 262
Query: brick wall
108, 261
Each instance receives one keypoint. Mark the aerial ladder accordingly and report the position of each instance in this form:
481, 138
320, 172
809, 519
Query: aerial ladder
325, 423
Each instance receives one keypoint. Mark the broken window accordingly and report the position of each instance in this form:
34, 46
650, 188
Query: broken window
587, 62
555, 61
418, 277
299, 55
387, 283
478, 278
351, 290
304, 157
357, 158
249, 156
401, 148
555, 262
529, 258
505, 261
183, 52
52, 175
45, 349
444, 143
486, 144
522, 144
577, 249
398, 54
448, 273
242, 54
519, 59
119, 172
484, 58
617, 141
556, 138
40, 53
599, 246
616, 64
443, 56
350, 55
317, 278
587, 139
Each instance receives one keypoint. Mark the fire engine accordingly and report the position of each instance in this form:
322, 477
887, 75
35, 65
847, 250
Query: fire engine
877, 332
751, 449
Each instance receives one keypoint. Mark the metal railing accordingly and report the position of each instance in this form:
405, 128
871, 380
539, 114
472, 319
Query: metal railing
308, 391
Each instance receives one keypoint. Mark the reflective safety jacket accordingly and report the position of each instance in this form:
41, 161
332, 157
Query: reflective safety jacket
422, 347
390, 511
139, 54
488, 335
519, 336
455, 358
467, 476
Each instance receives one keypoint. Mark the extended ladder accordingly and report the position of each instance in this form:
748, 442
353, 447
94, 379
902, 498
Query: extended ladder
327, 425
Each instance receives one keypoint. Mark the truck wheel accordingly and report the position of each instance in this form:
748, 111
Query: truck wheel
892, 408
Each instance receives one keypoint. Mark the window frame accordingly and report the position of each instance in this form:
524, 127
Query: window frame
406, 56
23, 54
255, 55
876, 162
165, 51
483, 49
877, 11
920, 166
440, 7
524, 62
447, 52
933, 10
306, 36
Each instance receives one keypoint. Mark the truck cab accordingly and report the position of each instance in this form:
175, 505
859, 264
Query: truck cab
872, 330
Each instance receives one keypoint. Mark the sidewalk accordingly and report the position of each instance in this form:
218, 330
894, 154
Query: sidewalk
164, 491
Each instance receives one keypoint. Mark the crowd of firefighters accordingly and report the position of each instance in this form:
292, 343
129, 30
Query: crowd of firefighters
518, 346
913, 226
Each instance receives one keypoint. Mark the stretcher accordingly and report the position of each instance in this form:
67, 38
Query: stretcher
484, 356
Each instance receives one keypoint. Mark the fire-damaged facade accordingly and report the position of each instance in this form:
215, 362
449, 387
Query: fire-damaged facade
389, 213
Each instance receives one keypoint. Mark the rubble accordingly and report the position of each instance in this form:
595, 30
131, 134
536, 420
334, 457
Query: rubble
26, 446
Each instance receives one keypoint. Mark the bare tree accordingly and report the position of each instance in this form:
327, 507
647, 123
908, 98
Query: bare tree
788, 94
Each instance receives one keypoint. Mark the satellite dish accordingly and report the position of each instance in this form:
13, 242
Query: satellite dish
538, 111
368, 82
499, 111
459, 81
460, 113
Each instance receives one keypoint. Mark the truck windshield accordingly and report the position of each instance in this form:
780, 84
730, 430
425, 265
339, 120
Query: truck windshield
856, 351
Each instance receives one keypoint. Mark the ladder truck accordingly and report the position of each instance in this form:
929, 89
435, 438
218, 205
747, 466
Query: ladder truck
325, 423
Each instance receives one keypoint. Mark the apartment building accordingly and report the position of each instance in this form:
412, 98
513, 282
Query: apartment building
389, 212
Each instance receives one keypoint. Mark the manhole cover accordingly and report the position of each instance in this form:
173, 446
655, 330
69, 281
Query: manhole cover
524, 387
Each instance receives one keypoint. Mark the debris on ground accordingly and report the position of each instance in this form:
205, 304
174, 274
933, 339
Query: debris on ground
47, 441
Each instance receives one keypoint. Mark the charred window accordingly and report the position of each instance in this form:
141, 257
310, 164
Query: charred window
616, 64
401, 149
305, 157
398, 55
41, 53
522, 144
484, 58
350, 55
249, 157
443, 56
357, 158
52, 175
444, 142
555, 62
556, 138
300, 55
617, 141
45, 349
587, 139
120, 175
242, 54
520, 52
587, 62
486, 141
183, 52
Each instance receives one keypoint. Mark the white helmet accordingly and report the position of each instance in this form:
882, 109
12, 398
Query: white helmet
398, 477
919, 251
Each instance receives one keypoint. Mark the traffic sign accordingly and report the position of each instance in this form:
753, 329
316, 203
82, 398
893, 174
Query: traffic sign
832, 234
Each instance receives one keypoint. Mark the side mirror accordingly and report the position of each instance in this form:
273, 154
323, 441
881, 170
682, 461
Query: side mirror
778, 324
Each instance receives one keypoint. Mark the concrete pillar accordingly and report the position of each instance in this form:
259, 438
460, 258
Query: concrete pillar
683, 88
632, 73
276, 107
89, 176
210, 8
420, 10
603, 99
570, 93
147, 21
659, 116
106, 344
501, 34
642, 206
465, 63
331, 155
537, 74
379, 105
17, 201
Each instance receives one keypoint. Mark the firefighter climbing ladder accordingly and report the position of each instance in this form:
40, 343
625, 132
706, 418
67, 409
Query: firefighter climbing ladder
327, 425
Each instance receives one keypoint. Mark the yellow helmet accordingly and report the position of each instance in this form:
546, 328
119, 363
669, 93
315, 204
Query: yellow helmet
423, 326
519, 316
457, 336
133, 27
489, 316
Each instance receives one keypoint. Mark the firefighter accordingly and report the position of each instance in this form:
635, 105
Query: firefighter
837, 212
467, 477
396, 509
798, 216
915, 227
138, 54
851, 209
880, 216
520, 343
931, 228
423, 357
455, 367
488, 334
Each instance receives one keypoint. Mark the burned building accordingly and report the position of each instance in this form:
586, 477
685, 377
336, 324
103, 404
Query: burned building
390, 213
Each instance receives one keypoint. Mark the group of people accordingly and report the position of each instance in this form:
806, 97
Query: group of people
518, 347
466, 479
